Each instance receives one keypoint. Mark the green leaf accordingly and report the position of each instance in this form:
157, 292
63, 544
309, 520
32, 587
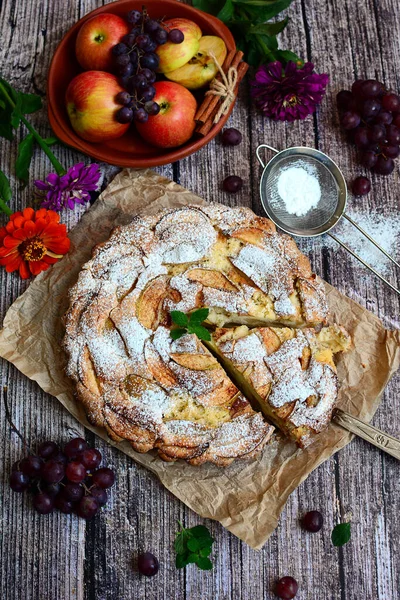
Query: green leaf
212, 7
16, 113
181, 561
193, 544
198, 316
269, 28
179, 318
206, 551
204, 563
50, 141
179, 544
193, 558
6, 131
226, 12
29, 103
201, 332
177, 333
10, 90
341, 534
25, 152
263, 10
201, 533
286, 55
5, 188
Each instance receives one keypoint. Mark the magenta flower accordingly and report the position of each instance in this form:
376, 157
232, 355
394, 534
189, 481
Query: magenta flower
61, 191
288, 94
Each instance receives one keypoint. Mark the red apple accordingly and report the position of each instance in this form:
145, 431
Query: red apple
174, 124
95, 40
91, 106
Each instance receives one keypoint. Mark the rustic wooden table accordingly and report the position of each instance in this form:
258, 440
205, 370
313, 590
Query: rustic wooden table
61, 557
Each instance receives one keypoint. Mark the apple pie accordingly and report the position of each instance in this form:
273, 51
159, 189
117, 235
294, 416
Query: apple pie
173, 395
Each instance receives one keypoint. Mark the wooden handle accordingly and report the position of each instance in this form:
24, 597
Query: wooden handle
367, 432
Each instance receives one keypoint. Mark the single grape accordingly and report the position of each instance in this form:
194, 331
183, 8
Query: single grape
374, 147
231, 137
142, 41
368, 159
125, 82
91, 458
232, 184
377, 133
152, 108
148, 564
18, 481
119, 49
75, 472
43, 503
122, 98
63, 505
149, 74
371, 89
361, 138
125, 70
161, 37
48, 449
393, 134
52, 471
370, 108
150, 61
396, 120
151, 46
148, 93
357, 86
140, 115
73, 491
105, 477
151, 26
391, 102
124, 115
286, 588
176, 36
134, 16
344, 100
350, 120
129, 39
384, 166
139, 81
75, 447
384, 118
31, 465
313, 520
61, 458
392, 151
52, 489
87, 507
134, 58
123, 60
99, 495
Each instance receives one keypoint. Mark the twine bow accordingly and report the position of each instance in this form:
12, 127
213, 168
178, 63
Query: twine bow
225, 89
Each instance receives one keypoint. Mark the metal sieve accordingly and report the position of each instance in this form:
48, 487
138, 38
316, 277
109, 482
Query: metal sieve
329, 210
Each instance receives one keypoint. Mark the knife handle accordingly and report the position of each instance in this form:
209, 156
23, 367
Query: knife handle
371, 434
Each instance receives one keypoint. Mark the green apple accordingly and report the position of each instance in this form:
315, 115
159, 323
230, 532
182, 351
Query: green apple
172, 56
201, 68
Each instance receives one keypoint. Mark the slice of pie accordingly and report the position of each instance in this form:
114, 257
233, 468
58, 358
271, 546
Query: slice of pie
289, 373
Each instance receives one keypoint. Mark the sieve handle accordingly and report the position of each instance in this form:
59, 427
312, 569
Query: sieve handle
367, 432
363, 262
260, 160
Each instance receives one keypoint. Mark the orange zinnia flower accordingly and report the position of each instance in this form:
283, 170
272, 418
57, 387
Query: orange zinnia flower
32, 241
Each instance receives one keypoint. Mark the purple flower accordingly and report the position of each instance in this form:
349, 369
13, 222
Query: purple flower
288, 94
60, 191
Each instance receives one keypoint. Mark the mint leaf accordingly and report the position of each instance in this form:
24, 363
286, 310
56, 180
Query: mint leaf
25, 152
29, 103
201, 332
193, 544
204, 563
341, 534
177, 333
179, 544
227, 11
201, 531
204, 552
192, 558
198, 316
179, 318
5, 189
181, 561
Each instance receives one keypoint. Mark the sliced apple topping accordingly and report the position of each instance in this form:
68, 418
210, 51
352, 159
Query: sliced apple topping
211, 278
196, 362
157, 366
201, 68
149, 305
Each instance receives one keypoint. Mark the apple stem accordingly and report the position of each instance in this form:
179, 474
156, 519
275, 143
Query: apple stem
56, 164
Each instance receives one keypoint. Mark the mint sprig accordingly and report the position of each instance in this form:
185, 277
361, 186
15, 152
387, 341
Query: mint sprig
341, 534
193, 545
190, 324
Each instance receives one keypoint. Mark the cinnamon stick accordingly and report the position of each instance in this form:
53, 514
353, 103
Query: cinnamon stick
200, 116
203, 128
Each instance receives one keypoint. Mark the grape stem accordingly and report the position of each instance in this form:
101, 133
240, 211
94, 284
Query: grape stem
9, 419
56, 164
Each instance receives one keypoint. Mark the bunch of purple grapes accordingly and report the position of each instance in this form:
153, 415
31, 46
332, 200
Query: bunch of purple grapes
371, 116
136, 63
69, 481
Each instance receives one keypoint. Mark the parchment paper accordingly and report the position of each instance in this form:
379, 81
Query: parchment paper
247, 497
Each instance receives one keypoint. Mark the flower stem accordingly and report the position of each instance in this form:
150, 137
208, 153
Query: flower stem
56, 164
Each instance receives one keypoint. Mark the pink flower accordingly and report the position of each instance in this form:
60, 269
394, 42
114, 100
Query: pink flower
61, 191
288, 94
